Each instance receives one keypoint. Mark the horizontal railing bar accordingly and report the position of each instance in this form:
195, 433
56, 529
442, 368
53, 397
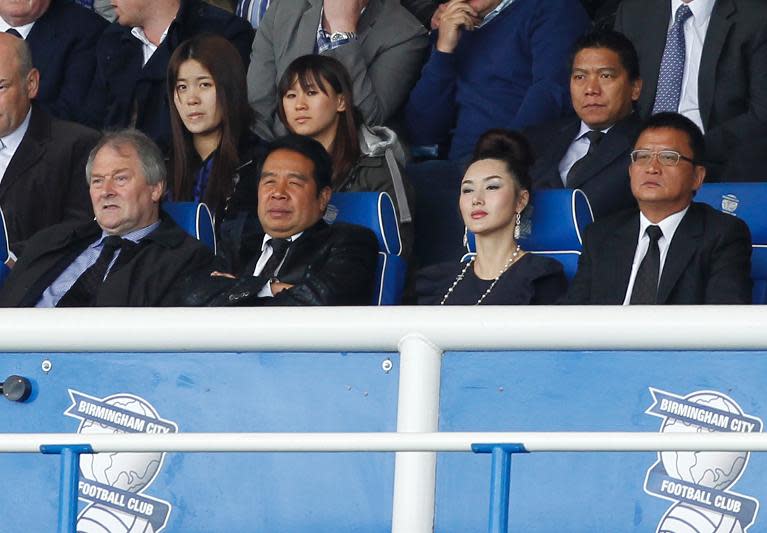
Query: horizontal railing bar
387, 442
351, 329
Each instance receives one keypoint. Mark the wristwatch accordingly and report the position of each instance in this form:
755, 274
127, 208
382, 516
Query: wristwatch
338, 36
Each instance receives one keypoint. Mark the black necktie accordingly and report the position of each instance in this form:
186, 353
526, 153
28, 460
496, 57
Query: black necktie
594, 137
14, 32
279, 249
645, 289
82, 293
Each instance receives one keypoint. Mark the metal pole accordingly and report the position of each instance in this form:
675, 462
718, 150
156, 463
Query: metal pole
500, 483
417, 411
68, 482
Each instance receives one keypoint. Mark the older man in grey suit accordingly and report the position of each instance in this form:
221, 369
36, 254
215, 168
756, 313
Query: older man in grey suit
379, 42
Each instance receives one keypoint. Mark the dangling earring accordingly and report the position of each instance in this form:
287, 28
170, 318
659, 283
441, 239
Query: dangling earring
517, 228
466, 237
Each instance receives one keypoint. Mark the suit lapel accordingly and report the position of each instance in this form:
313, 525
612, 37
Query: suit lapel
619, 256
716, 35
656, 28
680, 252
557, 150
31, 149
301, 252
613, 145
304, 38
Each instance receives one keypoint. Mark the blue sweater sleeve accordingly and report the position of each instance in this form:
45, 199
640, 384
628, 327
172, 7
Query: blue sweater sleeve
555, 26
431, 108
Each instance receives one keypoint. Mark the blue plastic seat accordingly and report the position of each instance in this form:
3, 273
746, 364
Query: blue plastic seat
195, 219
748, 202
375, 210
558, 220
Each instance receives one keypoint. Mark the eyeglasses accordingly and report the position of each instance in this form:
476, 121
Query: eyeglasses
667, 158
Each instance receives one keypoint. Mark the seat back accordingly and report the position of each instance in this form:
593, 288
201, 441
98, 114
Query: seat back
375, 211
195, 219
746, 201
559, 217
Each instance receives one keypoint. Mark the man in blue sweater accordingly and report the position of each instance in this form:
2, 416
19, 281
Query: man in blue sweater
495, 64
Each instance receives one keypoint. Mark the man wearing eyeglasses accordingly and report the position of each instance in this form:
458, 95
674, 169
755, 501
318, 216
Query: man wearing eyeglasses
671, 250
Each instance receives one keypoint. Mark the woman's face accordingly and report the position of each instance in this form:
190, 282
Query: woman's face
312, 112
489, 201
195, 98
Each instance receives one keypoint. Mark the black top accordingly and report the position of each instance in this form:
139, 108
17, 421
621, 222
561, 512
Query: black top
533, 279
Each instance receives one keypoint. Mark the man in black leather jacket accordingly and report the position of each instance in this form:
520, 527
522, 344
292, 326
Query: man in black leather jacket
291, 256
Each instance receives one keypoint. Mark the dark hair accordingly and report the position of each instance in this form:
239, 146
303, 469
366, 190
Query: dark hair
611, 40
678, 122
224, 63
320, 72
309, 148
512, 148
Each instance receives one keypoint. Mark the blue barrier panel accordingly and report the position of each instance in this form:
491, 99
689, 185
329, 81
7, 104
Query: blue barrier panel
203, 492
605, 391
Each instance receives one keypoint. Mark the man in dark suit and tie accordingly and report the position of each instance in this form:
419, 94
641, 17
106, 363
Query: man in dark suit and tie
706, 60
42, 159
671, 250
590, 151
288, 255
130, 255
62, 36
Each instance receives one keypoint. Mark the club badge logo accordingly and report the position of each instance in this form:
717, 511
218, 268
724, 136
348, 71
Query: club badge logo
114, 484
700, 483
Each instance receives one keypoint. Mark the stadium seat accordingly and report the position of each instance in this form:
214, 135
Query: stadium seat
195, 219
556, 227
4, 250
746, 201
375, 211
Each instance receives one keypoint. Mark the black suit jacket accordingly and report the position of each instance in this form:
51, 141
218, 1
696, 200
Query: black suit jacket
122, 82
63, 44
45, 183
147, 278
708, 261
605, 178
732, 82
327, 265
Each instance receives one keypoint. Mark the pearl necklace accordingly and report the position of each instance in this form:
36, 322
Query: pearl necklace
511, 261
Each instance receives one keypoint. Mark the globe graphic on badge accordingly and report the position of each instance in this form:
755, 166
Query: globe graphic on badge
128, 471
685, 518
716, 470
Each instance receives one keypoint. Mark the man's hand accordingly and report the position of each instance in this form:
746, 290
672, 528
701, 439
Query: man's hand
436, 18
342, 15
278, 286
458, 16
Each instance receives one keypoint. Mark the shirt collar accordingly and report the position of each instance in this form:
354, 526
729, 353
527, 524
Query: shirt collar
495, 12
134, 236
585, 128
139, 34
668, 225
13, 139
701, 10
268, 237
23, 30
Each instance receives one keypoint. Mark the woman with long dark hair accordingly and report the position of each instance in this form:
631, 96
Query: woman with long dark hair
316, 100
214, 156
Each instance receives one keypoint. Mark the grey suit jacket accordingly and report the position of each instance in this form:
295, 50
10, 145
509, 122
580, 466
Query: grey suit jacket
384, 62
732, 82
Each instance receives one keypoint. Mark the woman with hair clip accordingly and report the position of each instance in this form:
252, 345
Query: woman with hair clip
495, 192
215, 155
316, 100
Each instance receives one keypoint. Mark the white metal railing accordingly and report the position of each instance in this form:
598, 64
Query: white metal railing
388, 442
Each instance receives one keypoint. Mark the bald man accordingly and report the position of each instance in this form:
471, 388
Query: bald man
42, 159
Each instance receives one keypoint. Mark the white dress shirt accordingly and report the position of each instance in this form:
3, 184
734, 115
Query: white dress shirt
23, 30
266, 253
668, 226
578, 148
10, 143
695, 29
147, 46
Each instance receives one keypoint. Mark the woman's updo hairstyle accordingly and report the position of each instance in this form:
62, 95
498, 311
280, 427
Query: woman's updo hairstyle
512, 148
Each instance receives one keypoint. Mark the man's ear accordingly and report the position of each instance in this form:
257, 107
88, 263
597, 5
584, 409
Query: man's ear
636, 89
32, 83
699, 175
325, 194
158, 189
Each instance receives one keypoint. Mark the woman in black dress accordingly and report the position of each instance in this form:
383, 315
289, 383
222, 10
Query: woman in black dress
495, 191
